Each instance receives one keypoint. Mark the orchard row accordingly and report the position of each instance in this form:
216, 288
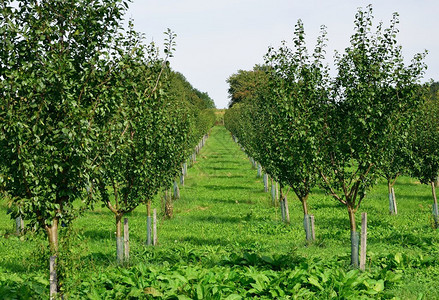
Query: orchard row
372, 119
89, 111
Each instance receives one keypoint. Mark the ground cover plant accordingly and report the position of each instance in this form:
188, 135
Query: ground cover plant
226, 240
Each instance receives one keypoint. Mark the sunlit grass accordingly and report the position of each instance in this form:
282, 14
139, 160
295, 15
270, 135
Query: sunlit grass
223, 211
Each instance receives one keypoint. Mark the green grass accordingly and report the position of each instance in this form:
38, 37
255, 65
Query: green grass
226, 239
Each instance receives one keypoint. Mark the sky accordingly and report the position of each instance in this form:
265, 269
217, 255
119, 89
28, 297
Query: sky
216, 38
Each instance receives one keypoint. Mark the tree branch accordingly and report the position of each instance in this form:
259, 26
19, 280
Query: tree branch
333, 193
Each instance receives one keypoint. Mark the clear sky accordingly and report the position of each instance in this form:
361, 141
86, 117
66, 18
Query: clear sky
216, 38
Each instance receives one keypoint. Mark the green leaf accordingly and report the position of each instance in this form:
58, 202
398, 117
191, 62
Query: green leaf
233, 297
315, 282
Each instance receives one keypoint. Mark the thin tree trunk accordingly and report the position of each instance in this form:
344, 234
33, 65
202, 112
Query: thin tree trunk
168, 205
119, 238
354, 237
52, 234
306, 218
304, 204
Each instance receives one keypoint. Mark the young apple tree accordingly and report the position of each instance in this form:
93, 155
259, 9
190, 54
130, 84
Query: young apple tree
373, 91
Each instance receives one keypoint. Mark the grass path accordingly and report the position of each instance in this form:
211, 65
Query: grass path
222, 200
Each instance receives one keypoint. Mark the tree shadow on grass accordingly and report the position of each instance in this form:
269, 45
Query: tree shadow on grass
226, 176
419, 198
99, 259
14, 267
333, 223
227, 188
217, 219
221, 160
102, 235
220, 168
323, 205
198, 241
96, 234
405, 240
275, 262
234, 201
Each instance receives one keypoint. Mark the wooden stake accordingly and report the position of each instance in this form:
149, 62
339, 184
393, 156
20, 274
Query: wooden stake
176, 190
287, 212
307, 227
282, 209
273, 192
148, 223
354, 248
363, 241
19, 225
266, 182
313, 232
154, 227
391, 208
277, 191
435, 208
395, 208
126, 240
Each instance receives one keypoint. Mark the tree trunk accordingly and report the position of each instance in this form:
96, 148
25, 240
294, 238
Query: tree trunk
304, 204
435, 208
168, 205
306, 218
119, 238
354, 236
52, 234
